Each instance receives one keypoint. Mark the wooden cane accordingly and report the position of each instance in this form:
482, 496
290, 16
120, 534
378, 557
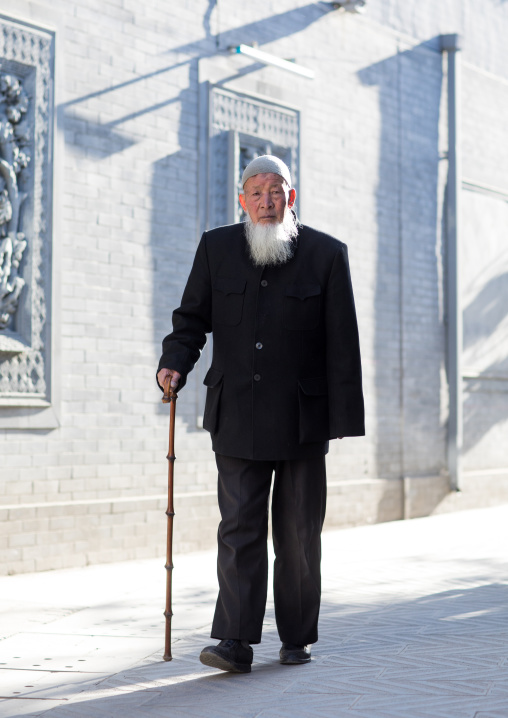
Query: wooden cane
169, 397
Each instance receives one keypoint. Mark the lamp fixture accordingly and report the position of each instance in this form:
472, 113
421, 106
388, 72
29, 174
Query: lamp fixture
357, 6
268, 59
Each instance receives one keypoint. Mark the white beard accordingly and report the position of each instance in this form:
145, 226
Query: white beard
271, 243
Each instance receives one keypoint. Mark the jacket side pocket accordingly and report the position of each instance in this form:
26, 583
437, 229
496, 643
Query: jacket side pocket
213, 381
313, 405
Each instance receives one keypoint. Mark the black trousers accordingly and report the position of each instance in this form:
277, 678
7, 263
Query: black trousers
298, 511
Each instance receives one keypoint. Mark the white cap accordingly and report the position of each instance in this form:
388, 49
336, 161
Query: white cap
264, 165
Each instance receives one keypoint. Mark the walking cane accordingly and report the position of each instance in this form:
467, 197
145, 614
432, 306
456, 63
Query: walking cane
169, 397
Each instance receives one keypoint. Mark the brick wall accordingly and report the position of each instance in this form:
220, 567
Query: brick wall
126, 227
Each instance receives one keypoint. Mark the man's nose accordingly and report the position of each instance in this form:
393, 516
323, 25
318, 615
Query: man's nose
266, 199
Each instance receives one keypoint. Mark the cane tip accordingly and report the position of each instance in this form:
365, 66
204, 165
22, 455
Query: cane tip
167, 658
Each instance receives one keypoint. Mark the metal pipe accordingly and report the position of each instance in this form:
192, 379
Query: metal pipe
451, 45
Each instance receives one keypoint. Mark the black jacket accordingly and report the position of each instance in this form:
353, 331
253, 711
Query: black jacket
286, 372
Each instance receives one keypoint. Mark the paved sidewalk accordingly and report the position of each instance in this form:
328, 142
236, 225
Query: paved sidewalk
414, 623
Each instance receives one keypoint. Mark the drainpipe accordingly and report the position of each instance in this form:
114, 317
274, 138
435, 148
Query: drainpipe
451, 45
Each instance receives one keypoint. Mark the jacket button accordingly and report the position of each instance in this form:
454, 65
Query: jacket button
264, 283
257, 377
259, 345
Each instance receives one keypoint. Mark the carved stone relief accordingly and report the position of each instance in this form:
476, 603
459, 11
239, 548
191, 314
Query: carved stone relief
26, 117
14, 138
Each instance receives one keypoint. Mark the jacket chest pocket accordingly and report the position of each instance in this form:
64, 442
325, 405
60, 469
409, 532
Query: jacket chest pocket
302, 306
227, 302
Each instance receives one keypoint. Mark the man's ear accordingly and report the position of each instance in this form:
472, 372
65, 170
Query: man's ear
291, 197
241, 198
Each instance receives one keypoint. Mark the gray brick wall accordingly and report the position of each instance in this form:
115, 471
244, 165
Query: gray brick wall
126, 201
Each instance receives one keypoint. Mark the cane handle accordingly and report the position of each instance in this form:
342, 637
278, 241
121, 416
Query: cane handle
169, 392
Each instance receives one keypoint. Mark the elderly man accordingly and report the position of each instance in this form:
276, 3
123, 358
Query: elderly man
285, 379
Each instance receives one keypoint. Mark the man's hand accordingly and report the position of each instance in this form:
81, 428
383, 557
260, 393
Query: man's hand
163, 375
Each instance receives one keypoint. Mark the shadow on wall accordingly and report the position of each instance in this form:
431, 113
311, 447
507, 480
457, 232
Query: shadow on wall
269, 29
486, 311
92, 138
486, 397
485, 406
408, 332
173, 232
174, 213
99, 140
102, 139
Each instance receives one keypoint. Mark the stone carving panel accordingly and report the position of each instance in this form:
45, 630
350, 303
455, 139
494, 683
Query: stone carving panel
14, 138
26, 117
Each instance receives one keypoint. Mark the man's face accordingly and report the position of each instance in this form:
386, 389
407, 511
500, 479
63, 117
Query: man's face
266, 197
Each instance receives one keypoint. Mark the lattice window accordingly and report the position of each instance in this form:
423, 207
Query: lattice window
244, 127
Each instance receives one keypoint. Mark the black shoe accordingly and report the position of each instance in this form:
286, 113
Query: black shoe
228, 655
291, 655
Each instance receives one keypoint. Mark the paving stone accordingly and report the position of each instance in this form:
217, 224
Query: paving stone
414, 624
